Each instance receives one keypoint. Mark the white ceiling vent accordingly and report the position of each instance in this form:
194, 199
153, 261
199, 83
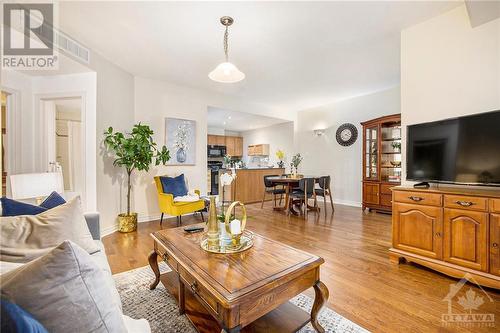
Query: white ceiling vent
64, 42
71, 46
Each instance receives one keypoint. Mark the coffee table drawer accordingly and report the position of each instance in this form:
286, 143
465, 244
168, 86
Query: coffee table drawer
198, 290
166, 257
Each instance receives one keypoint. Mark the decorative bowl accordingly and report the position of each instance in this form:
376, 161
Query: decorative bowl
245, 242
396, 163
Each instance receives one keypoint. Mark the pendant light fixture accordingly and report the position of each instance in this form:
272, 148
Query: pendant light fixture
226, 72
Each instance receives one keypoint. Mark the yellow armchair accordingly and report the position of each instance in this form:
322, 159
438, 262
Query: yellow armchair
177, 209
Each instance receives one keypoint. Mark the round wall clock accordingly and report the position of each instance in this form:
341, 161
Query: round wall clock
346, 134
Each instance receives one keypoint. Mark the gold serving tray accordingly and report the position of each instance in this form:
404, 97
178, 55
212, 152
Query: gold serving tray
246, 242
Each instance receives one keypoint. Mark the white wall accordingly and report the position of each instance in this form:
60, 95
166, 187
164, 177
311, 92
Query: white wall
448, 69
278, 136
115, 107
155, 100
324, 156
216, 131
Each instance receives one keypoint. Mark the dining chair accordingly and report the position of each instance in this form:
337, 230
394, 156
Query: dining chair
325, 190
272, 188
304, 192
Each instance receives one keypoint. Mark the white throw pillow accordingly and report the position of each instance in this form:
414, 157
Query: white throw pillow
64, 291
27, 237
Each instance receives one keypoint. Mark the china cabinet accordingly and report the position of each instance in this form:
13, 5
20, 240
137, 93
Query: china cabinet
381, 161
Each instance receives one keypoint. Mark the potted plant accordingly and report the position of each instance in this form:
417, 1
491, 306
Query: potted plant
133, 151
296, 160
280, 155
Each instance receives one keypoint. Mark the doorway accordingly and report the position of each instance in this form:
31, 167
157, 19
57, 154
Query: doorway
65, 146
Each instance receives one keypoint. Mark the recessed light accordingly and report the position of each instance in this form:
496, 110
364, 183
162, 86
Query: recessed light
224, 123
229, 117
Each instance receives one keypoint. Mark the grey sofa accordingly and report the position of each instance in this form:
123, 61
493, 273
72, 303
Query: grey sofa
100, 258
94, 225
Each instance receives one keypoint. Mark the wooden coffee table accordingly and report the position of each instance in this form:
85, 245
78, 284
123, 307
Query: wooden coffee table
247, 291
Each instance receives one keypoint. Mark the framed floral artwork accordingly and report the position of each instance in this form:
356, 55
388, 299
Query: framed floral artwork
180, 139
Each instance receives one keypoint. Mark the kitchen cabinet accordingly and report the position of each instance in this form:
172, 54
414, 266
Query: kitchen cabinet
216, 140
238, 146
233, 144
258, 150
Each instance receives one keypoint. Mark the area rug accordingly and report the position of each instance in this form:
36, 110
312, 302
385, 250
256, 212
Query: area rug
140, 302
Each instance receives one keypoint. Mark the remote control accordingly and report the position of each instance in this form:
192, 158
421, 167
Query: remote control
193, 229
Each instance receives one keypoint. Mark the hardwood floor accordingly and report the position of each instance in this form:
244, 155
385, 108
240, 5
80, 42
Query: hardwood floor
364, 285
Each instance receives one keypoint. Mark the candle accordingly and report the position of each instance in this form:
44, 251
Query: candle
235, 227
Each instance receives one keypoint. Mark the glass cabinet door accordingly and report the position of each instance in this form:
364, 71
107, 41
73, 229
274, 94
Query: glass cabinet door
371, 150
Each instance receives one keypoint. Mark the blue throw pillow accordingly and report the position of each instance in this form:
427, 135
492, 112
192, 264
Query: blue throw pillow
14, 208
174, 185
53, 200
17, 320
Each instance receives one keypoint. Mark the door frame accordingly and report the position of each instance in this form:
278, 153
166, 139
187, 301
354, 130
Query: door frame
13, 164
89, 151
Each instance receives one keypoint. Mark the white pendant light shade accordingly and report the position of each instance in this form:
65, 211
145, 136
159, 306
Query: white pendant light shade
226, 72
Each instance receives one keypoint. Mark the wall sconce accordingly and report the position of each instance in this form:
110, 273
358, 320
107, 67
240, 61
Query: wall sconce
319, 132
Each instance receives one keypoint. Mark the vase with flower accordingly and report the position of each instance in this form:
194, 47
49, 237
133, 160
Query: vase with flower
280, 155
294, 165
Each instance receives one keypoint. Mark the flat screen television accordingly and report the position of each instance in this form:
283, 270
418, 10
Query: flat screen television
464, 150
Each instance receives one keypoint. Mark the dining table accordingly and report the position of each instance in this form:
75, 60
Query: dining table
289, 183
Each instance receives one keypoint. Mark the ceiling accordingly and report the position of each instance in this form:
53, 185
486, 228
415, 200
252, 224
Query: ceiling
295, 54
238, 121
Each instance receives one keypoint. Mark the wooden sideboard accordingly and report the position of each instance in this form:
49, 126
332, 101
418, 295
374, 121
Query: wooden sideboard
453, 231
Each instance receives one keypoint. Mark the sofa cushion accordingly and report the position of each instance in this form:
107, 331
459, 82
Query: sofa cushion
174, 185
17, 320
101, 261
27, 237
53, 200
64, 291
14, 208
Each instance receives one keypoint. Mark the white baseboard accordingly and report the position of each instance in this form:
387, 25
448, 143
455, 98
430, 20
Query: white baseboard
343, 202
109, 230
140, 219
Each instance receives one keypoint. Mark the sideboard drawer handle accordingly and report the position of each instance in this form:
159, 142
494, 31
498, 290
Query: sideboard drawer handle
464, 203
438, 234
164, 256
194, 287
417, 199
495, 245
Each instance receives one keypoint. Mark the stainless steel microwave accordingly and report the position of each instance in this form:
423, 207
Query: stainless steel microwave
216, 151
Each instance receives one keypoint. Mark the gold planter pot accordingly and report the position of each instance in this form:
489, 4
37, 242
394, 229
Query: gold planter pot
127, 223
